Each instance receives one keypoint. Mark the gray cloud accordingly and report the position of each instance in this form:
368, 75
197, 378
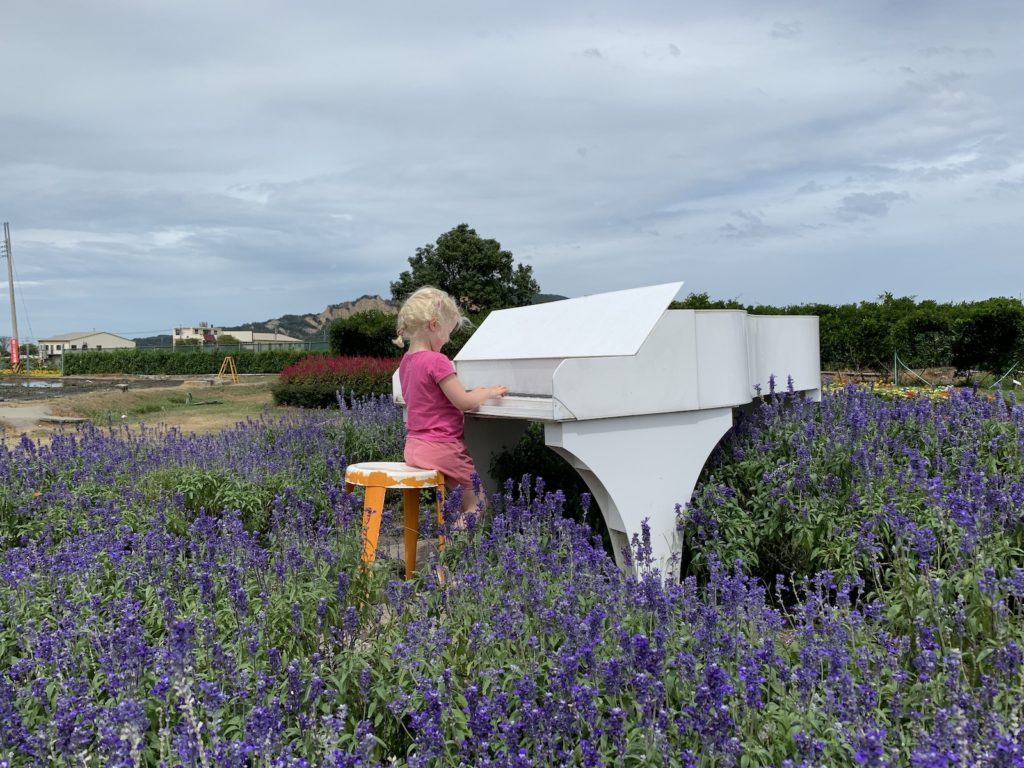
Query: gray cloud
810, 188
863, 205
749, 225
202, 161
786, 31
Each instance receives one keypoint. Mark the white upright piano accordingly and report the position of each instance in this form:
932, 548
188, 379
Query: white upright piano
633, 395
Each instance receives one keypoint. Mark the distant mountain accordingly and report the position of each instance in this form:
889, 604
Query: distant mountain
544, 298
311, 327
306, 327
163, 340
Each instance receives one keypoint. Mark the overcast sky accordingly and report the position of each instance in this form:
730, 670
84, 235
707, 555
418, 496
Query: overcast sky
167, 163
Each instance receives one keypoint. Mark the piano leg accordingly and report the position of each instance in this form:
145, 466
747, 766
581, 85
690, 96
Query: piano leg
485, 439
640, 467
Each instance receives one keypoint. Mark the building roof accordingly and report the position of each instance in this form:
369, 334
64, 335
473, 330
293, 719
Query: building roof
256, 336
74, 336
261, 336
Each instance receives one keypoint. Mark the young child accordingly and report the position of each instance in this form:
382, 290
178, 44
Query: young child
435, 400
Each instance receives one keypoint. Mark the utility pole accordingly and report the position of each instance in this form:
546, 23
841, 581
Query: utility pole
15, 350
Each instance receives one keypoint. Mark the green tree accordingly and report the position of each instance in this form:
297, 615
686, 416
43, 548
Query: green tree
703, 301
874, 335
990, 336
363, 334
924, 337
860, 336
475, 271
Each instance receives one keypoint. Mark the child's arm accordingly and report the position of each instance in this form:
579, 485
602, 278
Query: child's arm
472, 399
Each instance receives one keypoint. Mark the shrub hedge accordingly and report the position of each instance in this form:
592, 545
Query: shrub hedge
364, 334
979, 335
317, 380
166, 362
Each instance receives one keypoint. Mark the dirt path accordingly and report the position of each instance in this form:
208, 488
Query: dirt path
23, 417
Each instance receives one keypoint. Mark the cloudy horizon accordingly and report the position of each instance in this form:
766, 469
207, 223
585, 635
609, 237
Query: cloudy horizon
234, 162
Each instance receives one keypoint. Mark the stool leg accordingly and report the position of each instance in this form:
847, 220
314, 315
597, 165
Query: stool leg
373, 505
411, 497
440, 513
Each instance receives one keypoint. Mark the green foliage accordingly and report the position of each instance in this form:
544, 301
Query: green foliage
461, 335
371, 334
990, 336
366, 334
924, 336
852, 487
159, 341
153, 362
305, 394
214, 491
318, 381
531, 457
986, 335
473, 270
229, 615
372, 430
703, 301
857, 336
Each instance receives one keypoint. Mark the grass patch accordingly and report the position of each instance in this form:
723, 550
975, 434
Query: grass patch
194, 404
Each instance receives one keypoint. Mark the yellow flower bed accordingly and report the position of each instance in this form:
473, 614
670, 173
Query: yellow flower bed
37, 372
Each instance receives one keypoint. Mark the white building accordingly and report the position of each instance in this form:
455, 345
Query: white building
204, 333
258, 337
55, 346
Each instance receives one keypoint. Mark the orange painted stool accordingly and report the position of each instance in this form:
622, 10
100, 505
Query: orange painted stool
379, 476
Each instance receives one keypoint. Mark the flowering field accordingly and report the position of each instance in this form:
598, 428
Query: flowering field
170, 599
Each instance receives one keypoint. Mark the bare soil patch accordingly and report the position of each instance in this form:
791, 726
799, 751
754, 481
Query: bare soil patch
18, 389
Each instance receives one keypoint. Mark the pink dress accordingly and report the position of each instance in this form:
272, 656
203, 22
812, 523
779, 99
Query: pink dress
434, 425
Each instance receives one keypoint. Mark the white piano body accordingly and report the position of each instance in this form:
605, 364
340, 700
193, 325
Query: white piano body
633, 395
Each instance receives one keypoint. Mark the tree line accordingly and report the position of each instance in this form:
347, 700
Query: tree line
983, 335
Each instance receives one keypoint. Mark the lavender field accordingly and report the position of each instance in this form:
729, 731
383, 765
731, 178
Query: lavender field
852, 592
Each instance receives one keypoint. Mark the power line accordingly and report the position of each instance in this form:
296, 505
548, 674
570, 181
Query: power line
24, 305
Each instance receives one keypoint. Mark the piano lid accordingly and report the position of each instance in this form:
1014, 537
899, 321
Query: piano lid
600, 325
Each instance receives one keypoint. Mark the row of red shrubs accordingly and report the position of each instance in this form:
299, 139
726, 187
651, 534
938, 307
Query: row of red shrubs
316, 380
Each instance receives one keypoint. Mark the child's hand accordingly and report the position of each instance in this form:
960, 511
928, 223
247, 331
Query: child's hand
499, 390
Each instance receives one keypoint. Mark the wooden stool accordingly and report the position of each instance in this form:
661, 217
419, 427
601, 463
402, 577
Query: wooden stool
377, 477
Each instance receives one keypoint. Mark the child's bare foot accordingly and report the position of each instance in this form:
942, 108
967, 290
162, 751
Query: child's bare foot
441, 573
461, 523
471, 503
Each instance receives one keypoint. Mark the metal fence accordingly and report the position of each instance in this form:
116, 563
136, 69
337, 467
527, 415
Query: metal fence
228, 349
251, 346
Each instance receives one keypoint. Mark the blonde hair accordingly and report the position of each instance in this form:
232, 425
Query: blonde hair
423, 306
